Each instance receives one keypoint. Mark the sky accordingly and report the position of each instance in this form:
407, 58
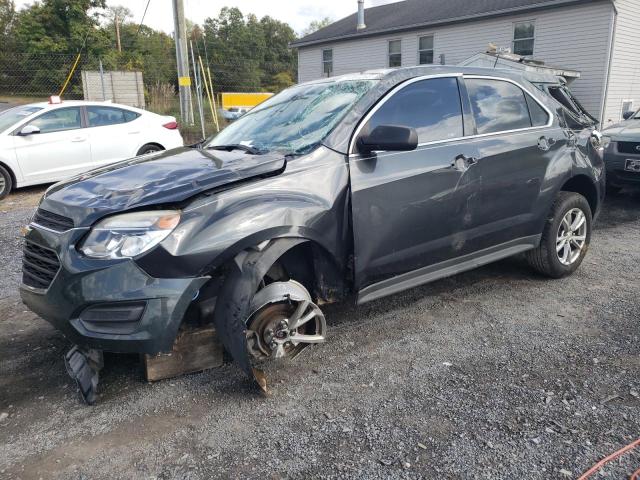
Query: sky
297, 13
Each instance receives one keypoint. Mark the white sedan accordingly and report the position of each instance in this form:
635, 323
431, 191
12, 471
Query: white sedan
48, 142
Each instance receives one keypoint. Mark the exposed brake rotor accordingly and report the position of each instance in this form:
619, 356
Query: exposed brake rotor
284, 320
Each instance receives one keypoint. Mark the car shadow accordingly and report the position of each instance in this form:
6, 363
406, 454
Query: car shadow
619, 208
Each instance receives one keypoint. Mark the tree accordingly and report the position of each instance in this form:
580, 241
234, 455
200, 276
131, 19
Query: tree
7, 12
46, 37
247, 53
40, 42
57, 26
118, 15
7, 15
316, 25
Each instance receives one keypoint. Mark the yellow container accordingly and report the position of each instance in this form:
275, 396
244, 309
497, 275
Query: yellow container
243, 100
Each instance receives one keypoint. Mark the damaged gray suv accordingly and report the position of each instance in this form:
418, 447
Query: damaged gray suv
360, 185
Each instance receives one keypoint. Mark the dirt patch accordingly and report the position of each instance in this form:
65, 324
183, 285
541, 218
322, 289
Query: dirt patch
496, 373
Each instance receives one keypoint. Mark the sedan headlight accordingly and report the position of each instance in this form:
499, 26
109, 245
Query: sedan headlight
130, 234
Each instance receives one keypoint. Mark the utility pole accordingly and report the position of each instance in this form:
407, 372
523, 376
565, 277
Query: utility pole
116, 20
182, 60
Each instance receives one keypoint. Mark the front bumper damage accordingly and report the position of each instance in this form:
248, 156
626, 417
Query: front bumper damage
118, 307
111, 306
103, 306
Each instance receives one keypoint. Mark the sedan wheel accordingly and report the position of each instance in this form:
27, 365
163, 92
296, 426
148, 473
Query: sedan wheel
5, 183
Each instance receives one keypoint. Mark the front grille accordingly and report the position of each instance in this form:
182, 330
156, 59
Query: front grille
629, 147
52, 221
39, 265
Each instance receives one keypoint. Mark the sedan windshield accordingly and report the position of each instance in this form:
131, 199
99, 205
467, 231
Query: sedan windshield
296, 120
10, 117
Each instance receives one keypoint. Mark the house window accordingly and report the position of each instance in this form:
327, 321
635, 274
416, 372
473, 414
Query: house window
327, 62
425, 50
627, 106
523, 38
395, 53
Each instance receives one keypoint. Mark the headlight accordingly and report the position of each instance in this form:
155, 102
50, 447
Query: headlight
129, 234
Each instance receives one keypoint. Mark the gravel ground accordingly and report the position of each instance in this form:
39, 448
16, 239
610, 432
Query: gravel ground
496, 373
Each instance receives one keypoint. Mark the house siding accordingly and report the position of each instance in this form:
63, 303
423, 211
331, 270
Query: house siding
625, 62
575, 37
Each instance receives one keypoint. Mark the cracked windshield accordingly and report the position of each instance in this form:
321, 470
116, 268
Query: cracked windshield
296, 120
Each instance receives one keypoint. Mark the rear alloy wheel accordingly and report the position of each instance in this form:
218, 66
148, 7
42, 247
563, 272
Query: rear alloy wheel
6, 182
284, 321
150, 148
572, 236
566, 236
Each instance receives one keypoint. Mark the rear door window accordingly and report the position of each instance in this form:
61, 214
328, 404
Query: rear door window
497, 105
101, 116
432, 107
58, 120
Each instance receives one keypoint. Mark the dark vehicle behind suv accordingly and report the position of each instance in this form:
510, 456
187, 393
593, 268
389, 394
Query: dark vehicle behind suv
366, 184
622, 152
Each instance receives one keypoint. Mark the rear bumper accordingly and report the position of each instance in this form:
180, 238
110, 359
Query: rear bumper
115, 307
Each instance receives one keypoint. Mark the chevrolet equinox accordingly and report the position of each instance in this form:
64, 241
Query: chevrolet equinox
366, 184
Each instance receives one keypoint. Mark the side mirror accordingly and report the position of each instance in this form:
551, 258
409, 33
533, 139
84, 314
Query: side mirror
28, 130
391, 138
627, 115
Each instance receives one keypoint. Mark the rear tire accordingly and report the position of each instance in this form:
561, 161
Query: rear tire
6, 182
565, 238
149, 148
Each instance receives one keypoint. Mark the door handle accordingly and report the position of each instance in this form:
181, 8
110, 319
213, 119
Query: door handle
134, 133
78, 139
463, 162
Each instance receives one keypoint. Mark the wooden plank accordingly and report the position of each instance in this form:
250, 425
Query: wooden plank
193, 351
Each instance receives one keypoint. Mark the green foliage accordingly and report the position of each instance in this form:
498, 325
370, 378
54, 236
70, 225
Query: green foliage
316, 25
247, 54
39, 43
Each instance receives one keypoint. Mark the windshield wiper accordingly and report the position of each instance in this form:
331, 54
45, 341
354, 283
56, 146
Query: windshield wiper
236, 146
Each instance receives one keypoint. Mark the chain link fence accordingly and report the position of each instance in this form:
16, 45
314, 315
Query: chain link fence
144, 83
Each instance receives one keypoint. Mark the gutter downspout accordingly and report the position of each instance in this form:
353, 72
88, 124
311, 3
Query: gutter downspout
605, 90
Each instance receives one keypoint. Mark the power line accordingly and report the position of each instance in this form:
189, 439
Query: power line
144, 14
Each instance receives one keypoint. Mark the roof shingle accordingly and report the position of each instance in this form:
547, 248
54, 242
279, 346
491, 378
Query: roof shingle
411, 14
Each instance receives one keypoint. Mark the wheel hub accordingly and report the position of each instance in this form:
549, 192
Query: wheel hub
284, 321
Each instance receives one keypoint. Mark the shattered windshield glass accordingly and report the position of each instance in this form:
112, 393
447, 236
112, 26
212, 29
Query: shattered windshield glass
296, 120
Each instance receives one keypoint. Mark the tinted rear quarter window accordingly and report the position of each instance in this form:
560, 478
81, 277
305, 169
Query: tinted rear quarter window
497, 105
430, 106
103, 116
539, 117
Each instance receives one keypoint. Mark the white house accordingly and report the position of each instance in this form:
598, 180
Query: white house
597, 38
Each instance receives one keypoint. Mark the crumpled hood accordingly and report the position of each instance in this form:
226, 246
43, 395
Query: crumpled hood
627, 131
166, 177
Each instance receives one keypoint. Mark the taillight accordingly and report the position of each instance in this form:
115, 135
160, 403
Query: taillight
171, 125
